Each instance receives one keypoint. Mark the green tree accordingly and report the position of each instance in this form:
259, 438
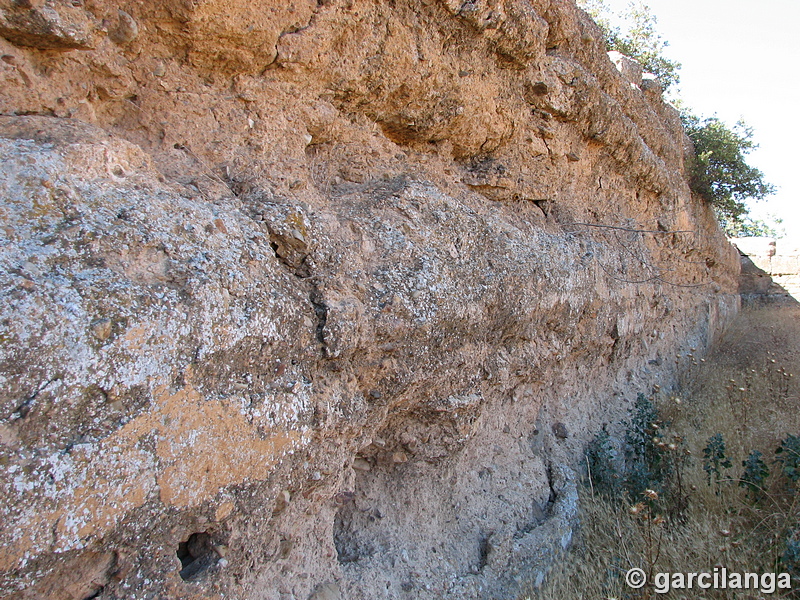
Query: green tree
750, 227
638, 40
719, 172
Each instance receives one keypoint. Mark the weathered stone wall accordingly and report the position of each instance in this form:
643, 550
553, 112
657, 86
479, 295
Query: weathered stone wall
325, 296
770, 267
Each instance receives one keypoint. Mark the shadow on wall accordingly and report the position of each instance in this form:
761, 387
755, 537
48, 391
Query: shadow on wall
770, 271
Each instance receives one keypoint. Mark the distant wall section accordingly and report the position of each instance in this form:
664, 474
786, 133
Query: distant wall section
769, 267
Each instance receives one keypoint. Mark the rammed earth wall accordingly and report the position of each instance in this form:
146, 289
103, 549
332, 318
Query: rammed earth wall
323, 299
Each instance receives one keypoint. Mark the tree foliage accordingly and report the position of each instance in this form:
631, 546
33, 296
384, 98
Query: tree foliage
719, 172
638, 40
747, 226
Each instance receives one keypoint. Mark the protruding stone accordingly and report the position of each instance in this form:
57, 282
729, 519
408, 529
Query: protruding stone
102, 329
326, 591
126, 31
362, 464
51, 25
651, 85
285, 547
223, 511
399, 457
281, 502
343, 498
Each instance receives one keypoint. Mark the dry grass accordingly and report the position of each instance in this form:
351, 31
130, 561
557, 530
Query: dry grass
743, 391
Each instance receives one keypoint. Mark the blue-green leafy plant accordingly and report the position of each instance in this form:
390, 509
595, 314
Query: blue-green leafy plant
791, 555
715, 459
788, 455
647, 465
755, 475
601, 458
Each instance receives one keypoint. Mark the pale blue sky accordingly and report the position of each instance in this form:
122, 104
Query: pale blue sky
741, 60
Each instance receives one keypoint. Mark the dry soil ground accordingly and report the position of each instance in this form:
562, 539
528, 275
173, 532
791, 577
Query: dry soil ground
746, 389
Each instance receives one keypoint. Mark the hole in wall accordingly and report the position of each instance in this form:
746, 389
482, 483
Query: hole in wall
196, 554
484, 547
353, 535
